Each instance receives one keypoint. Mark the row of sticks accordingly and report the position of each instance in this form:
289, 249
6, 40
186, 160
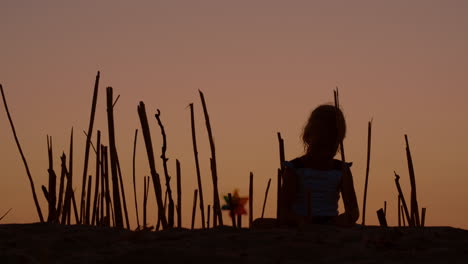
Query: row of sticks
105, 208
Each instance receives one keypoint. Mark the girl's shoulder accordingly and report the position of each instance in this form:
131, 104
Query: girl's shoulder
299, 163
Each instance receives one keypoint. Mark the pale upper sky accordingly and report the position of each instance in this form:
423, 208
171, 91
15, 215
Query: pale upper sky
263, 66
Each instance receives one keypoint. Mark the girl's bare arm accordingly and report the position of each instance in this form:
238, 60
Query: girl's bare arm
351, 214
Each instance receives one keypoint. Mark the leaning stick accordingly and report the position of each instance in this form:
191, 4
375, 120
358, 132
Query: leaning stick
197, 166
170, 220
382, 219
403, 218
216, 205
250, 200
423, 217
179, 195
414, 201
145, 198
208, 218
88, 141
5, 214
399, 211
369, 133
266, 196
31, 182
149, 149
194, 210
98, 175
400, 192
134, 180
113, 159
63, 172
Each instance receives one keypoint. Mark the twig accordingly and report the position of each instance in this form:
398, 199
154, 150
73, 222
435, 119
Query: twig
149, 149
266, 196
124, 200
91, 143
397, 179
63, 172
369, 131
98, 175
423, 217
197, 166
88, 141
31, 182
88, 201
52, 196
216, 205
5, 214
170, 220
208, 217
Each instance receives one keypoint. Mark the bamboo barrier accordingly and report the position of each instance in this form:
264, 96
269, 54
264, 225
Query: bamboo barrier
170, 216
369, 137
214, 173
194, 210
88, 140
414, 201
149, 149
31, 182
266, 196
250, 200
197, 166
179, 195
134, 180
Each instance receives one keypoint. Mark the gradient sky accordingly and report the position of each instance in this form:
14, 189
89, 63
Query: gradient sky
263, 66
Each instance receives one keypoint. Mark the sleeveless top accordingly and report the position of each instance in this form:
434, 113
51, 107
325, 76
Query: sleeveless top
320, 187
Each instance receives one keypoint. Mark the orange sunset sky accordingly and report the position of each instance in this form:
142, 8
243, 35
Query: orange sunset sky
263, 66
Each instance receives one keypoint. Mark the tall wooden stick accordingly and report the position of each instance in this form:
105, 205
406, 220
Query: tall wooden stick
369, 134
63, 172
414, 201
214, 172
382, 218
208, 218
134, 180
194, 210
278, 196
170, 216
266, 196
280, 176
149, 149
145, 198
124, 200
250, 200
402, 217
399, 211
281, 151
88, 141
31, 182
400, 192
197, 166
179, 195
113, 159
98, 175
423, 217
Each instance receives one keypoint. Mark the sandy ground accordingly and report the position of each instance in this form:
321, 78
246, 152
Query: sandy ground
47, 243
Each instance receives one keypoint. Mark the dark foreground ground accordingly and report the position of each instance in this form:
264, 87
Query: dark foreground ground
46, 243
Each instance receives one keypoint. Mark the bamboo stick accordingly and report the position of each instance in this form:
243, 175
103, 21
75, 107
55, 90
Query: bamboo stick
231, 211
31, 182
266, 196
400, 192
402, 217
98, 175
385, 208
45, 192
208, 218
179, 195
281, 151
170, 217
414, 201
124, 200
134, 180
105, 174
61, 190
194, 210
214, 173
149, 149
278, 196
369, 137
88, 201
423, 217
113, 159
382, 219
250, 200
52, 197
145, 200
88, 140
399, 211
197, 166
